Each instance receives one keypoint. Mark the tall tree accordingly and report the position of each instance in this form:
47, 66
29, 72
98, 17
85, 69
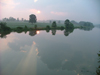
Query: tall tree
32, 18
54, 24
68, 24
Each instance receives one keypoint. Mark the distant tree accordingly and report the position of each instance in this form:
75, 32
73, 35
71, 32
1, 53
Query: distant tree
54, 24
50, 21
58, 21
17, 19
5, 19
22, 19
32, 18
12, 19
68, 24
47, 28
86, 24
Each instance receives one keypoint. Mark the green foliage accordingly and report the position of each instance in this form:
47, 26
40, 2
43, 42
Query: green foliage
86, 24
19, 28
54, 24
62, 28
48, 27
68, 24
32, 18
4, 30
25, 27
35, 26
4, 27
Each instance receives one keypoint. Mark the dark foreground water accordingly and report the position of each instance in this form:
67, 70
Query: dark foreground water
62, 53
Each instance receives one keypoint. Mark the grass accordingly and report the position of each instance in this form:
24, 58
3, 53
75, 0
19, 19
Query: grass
29, 25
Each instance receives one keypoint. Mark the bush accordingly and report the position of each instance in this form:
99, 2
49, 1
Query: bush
4, 27
47, 27
35, 26
54, 24
68, 24
25, 27
19, 28
62, 28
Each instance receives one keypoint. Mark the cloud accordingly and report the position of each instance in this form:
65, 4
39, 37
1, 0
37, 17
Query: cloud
4, 42
59, 13
35, 0
35, 11
8, 4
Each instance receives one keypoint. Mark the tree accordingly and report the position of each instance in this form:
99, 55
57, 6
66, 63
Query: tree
17, 19
47, 28
58, 21
50, 21
12, 19
54, 24
32, 18
68, 24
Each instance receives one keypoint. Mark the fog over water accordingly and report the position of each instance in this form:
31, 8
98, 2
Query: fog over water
78, 10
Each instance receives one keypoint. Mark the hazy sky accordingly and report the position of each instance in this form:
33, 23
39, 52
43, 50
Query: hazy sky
78, 10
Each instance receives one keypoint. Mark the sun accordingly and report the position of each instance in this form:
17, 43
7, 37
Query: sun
38, 12
37, 32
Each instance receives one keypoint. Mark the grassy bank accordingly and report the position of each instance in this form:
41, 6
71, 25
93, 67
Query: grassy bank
29, 25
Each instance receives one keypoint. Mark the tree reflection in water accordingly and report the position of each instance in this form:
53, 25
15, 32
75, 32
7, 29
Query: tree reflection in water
53, 31
32, 33
68, 31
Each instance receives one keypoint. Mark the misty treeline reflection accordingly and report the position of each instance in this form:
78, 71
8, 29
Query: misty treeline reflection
33, 32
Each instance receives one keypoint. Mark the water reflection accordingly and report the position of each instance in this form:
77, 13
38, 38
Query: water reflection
57, 55
32, 32
53, 31
3, 33
86, 28
68, 31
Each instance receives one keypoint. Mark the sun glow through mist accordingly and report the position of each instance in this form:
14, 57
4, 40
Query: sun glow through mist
37, 32
35, 0
38, 12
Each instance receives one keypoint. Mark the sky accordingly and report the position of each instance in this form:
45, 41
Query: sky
78, 10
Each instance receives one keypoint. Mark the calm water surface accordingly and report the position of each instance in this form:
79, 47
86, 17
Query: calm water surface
62, 53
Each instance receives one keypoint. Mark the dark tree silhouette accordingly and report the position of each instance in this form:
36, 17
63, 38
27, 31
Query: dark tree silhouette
68, 31
68, 24
53, 31
32, 18
32, 32
54, 24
